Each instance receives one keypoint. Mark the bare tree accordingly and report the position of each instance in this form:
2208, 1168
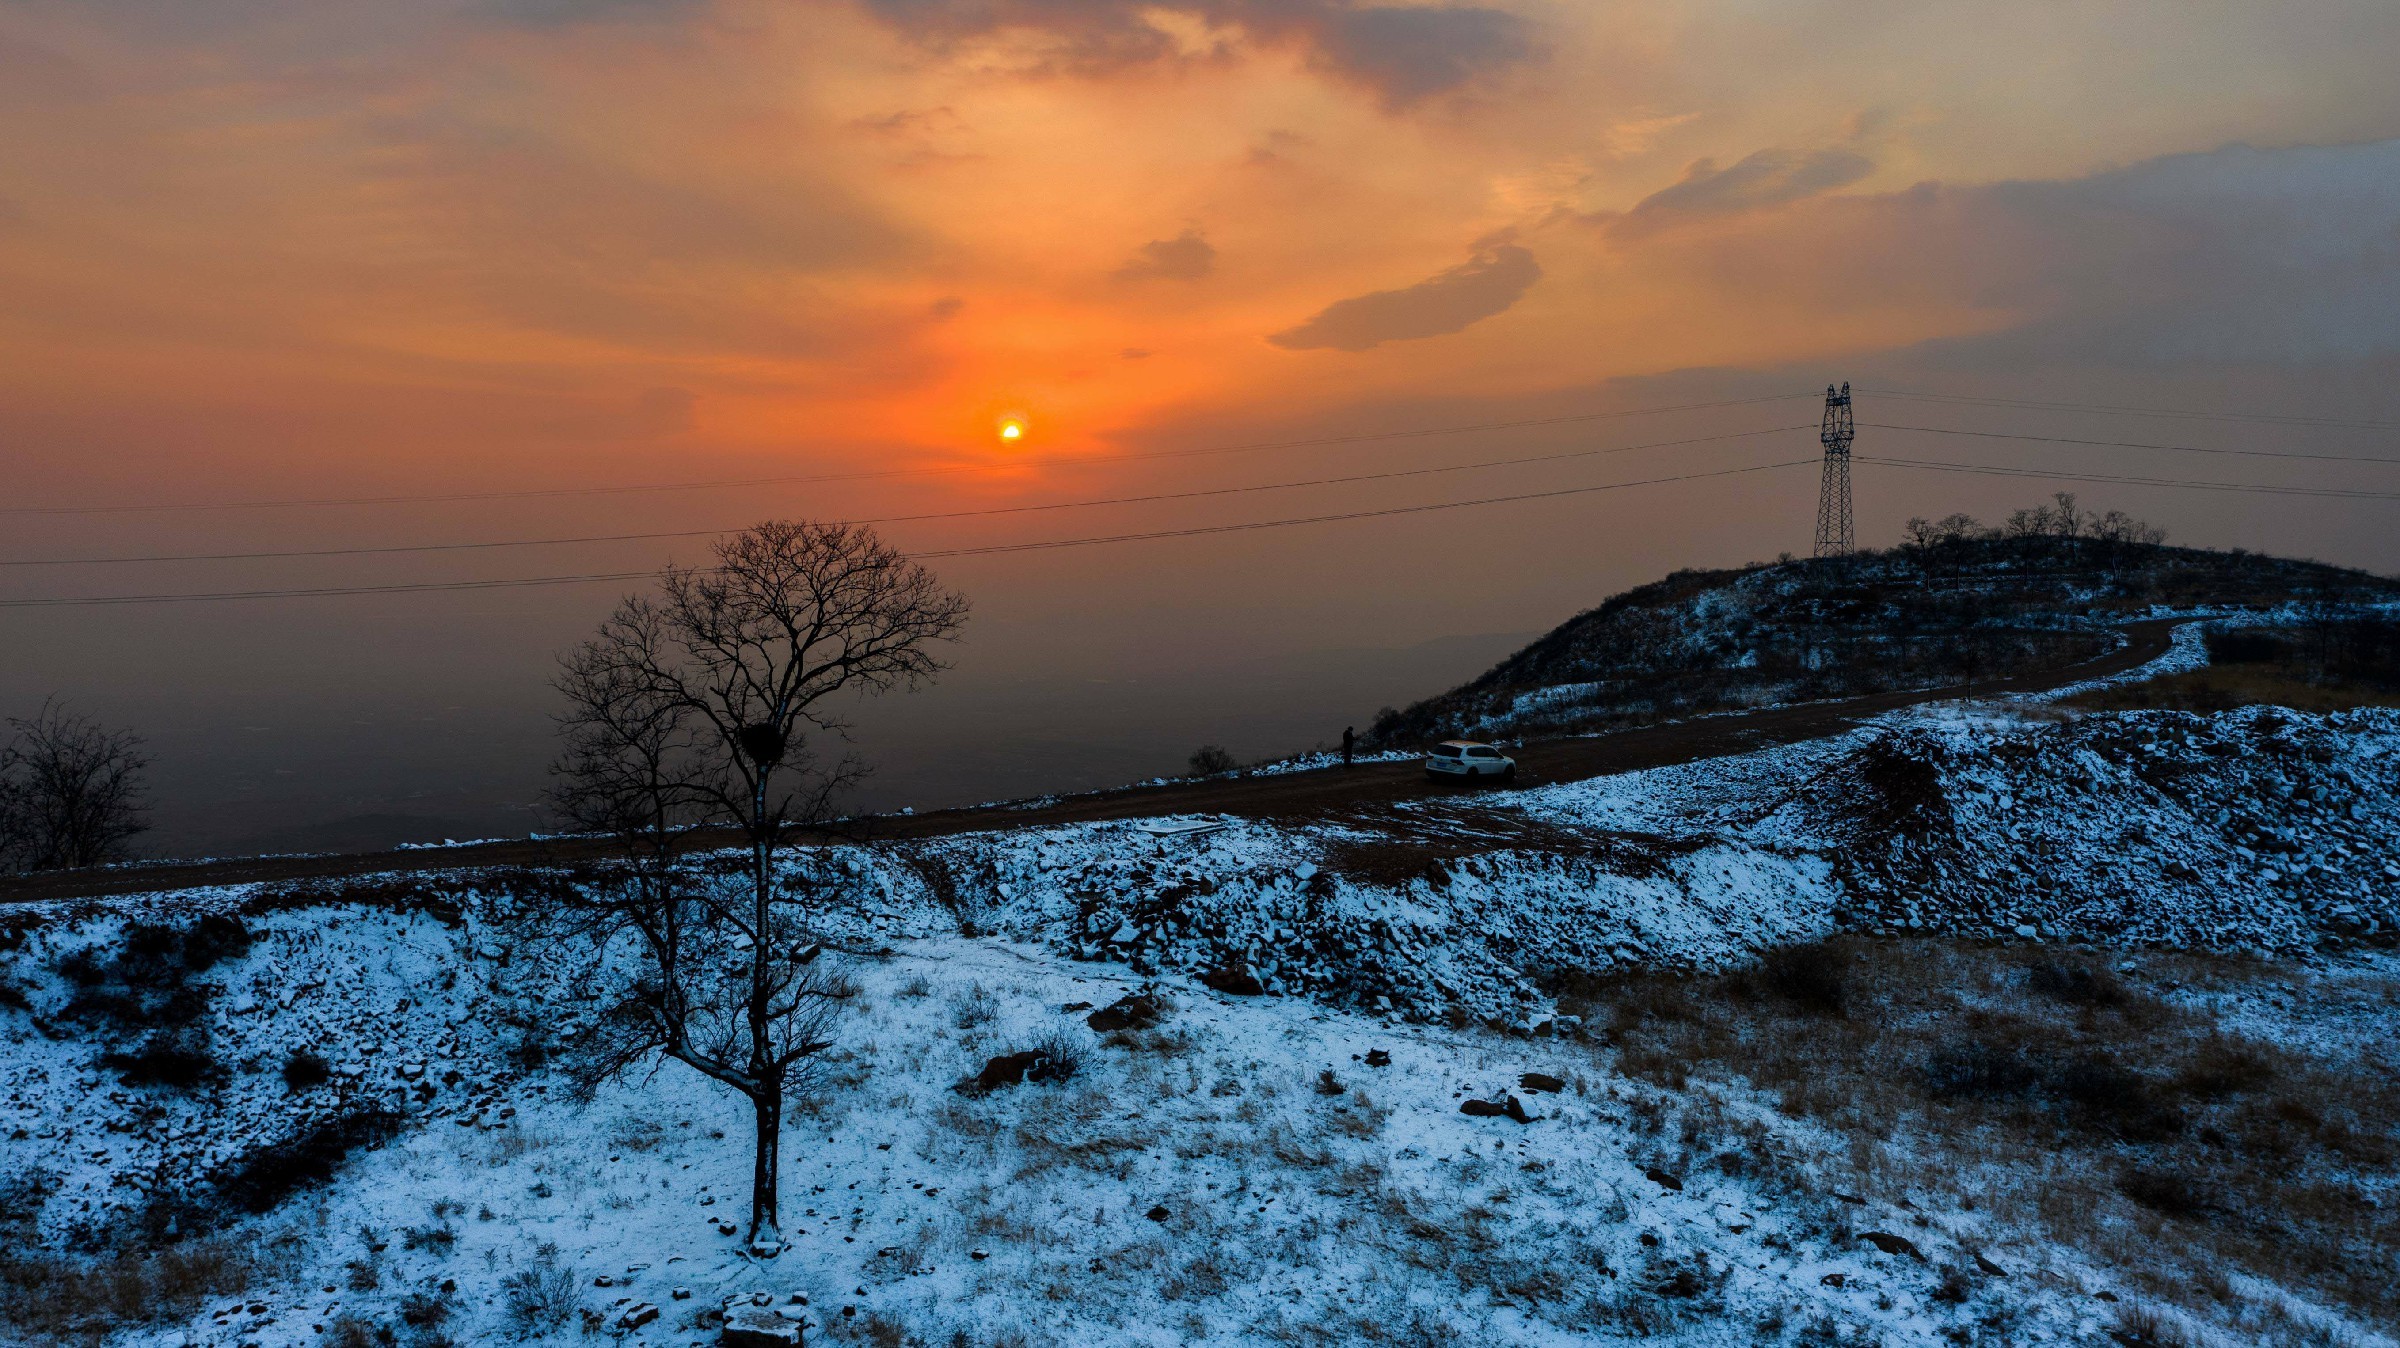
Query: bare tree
70, 791
689, 710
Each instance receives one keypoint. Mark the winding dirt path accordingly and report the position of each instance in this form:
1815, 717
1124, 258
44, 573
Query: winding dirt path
1299, 794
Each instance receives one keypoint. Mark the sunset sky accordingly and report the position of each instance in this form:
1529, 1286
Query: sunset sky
277, 251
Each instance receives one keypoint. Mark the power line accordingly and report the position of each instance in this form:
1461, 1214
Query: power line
899, 519
2264, 488
2136, 444
788, 479
986, 550
2111, 409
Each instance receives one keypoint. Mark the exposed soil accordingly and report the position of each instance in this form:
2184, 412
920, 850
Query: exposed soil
1299, 794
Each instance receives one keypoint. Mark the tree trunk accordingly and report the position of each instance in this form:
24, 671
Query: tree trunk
766, 1232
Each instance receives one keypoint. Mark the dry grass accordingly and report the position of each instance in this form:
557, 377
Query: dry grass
58, 1298
2058, 1096
2225, 687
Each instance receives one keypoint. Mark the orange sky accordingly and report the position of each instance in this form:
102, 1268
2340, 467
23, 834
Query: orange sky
277, 250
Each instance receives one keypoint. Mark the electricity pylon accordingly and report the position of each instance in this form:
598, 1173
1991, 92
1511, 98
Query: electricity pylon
1834, 536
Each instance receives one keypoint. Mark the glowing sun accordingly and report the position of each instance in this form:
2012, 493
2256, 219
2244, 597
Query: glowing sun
1012, 430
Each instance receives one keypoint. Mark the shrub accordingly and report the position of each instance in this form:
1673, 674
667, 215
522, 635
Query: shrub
352, 1331
419, 1310
306, 1068
2074, 984
1978, 1068
178, 1060
976, 1006
1211, 759
269, 1174
541, 1295
1808, 976
215, 937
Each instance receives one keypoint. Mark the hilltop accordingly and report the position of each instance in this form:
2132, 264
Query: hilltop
1957, 607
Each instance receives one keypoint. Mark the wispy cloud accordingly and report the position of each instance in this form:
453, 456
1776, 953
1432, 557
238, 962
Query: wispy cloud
1466, 294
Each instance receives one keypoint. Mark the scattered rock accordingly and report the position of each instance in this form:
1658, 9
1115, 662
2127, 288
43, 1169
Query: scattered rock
1833, 1279
1989, 1267
757, 1327
1664, 1180
637, 1315
1234, 981
681, 1294
1507, 1107
1891, 1244
1157, 1214
1133, 1012
1541, 1081
1010, 1069
1072, 1007
1378, 1058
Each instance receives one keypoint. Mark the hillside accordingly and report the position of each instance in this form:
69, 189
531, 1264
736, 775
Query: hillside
2058, 1016
1961, 609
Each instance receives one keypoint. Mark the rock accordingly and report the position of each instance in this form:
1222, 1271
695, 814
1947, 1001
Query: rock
1157, 1214
1378, 1058
1234, 981
1009, 1069
637, 1315
1989, 1267
1507, 1107
1541, 1081
1072, 1007
1833, 1279
1125, 934
1132, 1012
681, 1294
1664, 1180
1891, 1244
757, 1327
2025, 931
604, 1281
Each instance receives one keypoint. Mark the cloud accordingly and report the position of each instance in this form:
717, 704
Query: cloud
2237, 257
559, 13
1770, 177
1473, 291
1403, 55
1186, 257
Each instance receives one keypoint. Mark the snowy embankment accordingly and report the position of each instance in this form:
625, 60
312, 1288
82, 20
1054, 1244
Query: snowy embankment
1251, 1170
149, 1092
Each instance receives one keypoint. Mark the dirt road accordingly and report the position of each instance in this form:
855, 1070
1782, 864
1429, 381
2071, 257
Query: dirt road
1295, 794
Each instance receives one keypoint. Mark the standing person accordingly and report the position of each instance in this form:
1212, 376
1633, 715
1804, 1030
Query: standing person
1349, 744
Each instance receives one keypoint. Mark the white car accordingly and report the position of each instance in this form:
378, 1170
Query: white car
1467, 759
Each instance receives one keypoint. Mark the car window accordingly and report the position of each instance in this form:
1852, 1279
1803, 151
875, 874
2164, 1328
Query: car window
1445, 751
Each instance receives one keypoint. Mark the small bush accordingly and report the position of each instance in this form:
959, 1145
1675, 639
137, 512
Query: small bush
306, 1069
269, 1174
179, 1061
541, 1295
1977, 1068
2075, 984
352, 1331
976, 1006
1062, 1057
419, 1310
1210, 759
1808, 976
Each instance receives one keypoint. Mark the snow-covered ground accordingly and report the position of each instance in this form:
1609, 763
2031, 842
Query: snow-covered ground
1202, 1182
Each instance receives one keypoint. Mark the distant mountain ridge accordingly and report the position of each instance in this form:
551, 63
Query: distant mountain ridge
1950, 611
